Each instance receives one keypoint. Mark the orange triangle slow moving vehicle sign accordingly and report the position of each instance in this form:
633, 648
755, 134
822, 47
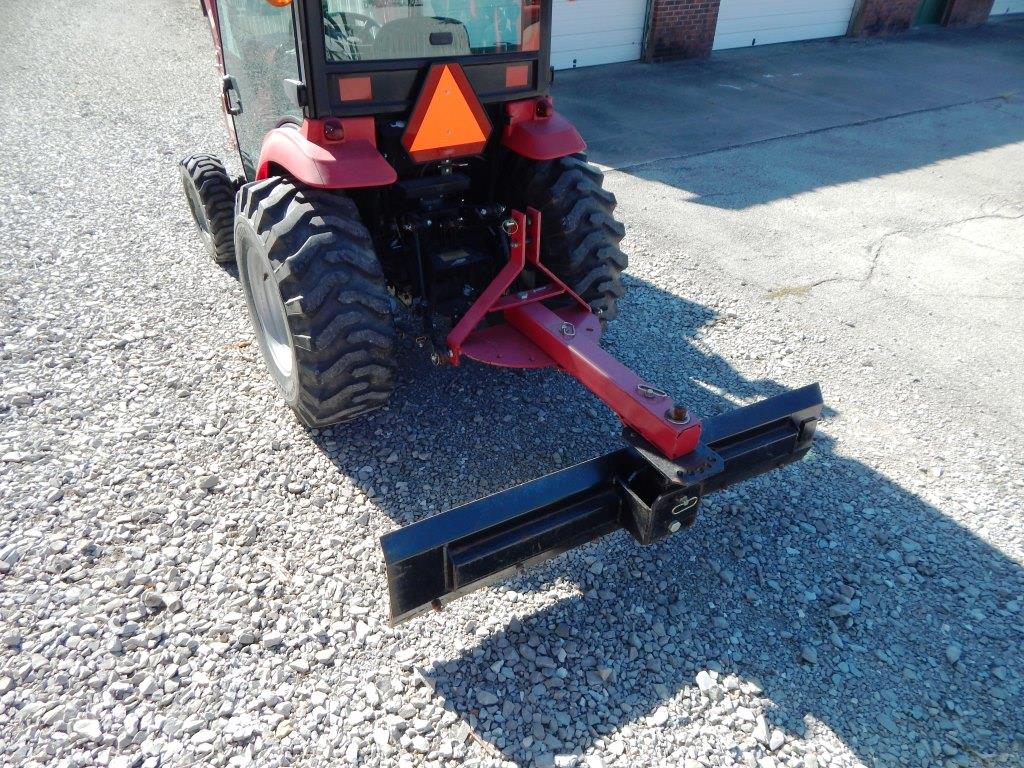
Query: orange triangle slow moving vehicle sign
447, 120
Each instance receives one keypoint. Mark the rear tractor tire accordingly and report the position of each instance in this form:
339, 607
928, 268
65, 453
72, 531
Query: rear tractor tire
579, 234
211, 198
317, 299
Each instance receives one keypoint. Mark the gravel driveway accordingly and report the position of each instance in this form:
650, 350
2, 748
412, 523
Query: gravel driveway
188, 577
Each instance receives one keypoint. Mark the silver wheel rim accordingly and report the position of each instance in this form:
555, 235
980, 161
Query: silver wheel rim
270, 319
198, 213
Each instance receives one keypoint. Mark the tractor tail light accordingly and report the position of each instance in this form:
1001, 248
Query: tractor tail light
334, 131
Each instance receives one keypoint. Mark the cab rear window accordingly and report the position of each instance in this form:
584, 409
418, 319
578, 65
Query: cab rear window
376, 30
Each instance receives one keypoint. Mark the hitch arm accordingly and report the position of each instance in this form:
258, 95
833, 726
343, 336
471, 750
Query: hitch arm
569, 340
648, 410
652, 488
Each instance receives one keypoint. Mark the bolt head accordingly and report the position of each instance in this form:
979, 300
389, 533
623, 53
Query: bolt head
677, 414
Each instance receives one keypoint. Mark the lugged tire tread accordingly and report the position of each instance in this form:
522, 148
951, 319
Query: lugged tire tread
579, 233
217, 194
331, 279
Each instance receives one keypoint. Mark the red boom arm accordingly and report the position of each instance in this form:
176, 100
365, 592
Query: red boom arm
569, 339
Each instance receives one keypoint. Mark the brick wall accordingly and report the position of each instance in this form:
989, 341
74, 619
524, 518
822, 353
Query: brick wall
681, 29
686, 28
883, 17
966, 13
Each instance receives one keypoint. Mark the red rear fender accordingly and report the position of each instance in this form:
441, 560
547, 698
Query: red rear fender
534, 130
327, 154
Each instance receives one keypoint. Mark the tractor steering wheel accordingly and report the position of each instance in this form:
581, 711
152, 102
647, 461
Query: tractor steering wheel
352, 30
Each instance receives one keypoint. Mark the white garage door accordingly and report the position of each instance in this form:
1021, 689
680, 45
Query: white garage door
758, 22
589, 32
1002, 7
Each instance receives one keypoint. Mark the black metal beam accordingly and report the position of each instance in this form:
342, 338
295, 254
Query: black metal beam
763, 436
437, 559
447, 555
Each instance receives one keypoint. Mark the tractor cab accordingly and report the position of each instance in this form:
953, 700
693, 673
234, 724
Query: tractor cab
290, 60
421, 111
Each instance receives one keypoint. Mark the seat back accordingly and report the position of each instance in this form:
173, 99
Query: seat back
410, 38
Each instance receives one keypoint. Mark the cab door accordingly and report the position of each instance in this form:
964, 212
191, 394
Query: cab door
258, 46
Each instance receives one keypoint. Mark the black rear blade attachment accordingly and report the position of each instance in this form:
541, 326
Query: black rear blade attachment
448, 555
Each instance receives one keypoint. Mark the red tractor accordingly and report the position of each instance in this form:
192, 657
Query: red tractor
408, 152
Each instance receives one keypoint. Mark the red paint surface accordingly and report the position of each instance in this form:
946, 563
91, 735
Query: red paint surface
539, 138
581, 356
503, 345
493, 292
305, 154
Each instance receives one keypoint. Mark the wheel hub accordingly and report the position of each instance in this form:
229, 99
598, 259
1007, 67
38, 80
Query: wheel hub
198, 213
271, 320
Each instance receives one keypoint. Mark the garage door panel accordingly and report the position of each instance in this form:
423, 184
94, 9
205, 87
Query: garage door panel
590, 32
789, 17
791, 21
770, 37
609, 22
791, 26
592, 57
763, 22
582, 41
1002, 7
732, 9
630, 12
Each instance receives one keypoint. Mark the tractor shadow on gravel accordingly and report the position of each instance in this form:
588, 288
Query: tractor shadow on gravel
743, 593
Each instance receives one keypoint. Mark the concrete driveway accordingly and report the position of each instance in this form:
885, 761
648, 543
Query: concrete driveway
862, 180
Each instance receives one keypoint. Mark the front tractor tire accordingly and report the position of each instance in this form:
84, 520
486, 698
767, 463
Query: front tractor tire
317, 299
579, 234
210, 193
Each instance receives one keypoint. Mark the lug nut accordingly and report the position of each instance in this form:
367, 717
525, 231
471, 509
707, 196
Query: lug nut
674, 526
